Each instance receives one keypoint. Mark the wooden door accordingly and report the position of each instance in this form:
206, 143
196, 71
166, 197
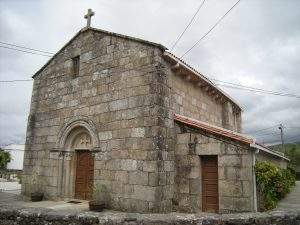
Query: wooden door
210, 196
84, 175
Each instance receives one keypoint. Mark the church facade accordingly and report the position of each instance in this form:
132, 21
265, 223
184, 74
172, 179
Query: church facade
126, 113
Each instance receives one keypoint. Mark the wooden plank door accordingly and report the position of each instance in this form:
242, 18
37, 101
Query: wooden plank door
210, 196
84, 175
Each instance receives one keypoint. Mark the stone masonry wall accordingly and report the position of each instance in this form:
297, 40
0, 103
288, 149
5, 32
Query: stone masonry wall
129, 93
192, 101
261, 156
234, 172
121, 89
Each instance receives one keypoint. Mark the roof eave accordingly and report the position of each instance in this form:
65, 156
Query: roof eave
214, 129
257, 146
174, 60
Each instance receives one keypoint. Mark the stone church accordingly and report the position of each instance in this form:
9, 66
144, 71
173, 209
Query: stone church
126, 113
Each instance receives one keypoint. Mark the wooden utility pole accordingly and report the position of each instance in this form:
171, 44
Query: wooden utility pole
281, 135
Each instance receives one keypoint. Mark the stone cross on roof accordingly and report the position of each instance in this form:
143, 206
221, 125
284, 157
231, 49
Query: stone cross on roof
88, 17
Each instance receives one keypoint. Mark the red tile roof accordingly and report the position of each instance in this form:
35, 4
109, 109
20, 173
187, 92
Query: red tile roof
214, 129
228, 134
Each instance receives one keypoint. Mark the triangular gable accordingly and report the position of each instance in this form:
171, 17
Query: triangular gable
99, 31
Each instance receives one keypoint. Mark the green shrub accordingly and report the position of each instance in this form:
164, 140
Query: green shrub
273, 183
4, 159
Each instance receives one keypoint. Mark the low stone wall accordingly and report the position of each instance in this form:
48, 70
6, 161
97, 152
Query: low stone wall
11, 215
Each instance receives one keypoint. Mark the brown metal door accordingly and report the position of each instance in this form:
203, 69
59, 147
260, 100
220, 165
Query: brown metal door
84, 175
210, 197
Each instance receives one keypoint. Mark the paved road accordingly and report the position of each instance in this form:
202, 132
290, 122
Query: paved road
17, 200
292, 200
10, 187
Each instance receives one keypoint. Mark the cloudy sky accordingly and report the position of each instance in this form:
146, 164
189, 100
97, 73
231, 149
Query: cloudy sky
257, 44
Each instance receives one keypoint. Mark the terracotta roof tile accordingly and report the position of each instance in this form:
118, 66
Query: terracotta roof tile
214, 129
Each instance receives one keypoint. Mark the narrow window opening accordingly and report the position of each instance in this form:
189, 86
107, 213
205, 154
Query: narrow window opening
75, 66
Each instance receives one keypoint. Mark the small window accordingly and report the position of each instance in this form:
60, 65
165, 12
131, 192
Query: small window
75, 66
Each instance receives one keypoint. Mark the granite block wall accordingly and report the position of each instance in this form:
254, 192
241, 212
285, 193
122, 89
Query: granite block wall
235, 182
192, 101
120, 91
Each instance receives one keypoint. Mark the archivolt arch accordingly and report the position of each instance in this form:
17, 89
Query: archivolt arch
75, 124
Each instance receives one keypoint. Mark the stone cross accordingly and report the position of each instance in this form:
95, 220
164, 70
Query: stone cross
88, 17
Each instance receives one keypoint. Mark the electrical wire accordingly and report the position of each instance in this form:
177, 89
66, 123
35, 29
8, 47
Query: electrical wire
270, 134
19, 50
192, 19
33, 49
12, 81
256, 89
285, 139
257, 131
225, 83
216, 24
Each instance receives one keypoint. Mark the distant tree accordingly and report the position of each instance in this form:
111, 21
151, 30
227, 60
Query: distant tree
5, 158
294, 155
292, 151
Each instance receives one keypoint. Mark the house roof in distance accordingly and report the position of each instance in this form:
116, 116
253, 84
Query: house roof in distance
269, 151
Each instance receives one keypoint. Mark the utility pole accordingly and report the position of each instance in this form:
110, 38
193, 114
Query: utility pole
281, 134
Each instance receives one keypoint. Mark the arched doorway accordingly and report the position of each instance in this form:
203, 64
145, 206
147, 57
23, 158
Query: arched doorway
76, 172
79, 143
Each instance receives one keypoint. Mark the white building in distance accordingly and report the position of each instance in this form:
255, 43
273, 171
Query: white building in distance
17, 156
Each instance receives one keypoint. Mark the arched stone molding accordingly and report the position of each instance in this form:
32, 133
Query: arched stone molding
77, 122
77, 134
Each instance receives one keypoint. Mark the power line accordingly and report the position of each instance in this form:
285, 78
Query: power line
257, 131
276, 125
216, 24
290, 142
33, 53
192, 19
256, 89
287, 138
260, 91
33, 49
12, 81
269, 134
293, 136
237, 86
